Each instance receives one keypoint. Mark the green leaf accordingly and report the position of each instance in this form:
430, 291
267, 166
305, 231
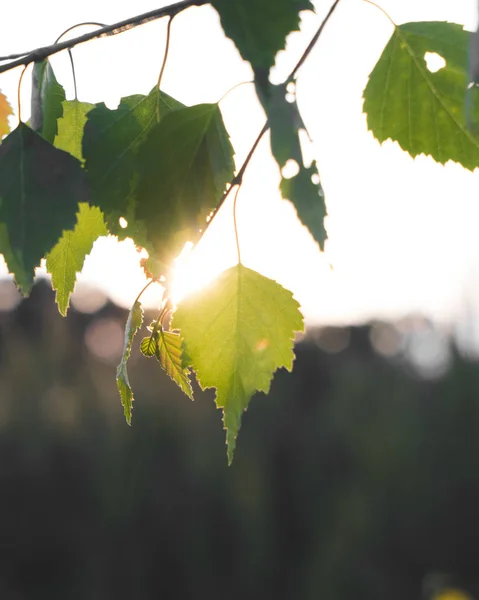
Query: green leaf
237, 332
184, 166
110, 145
423, 111
259, 27
70, 127
133, 324
47, 100
23, 278
304, 190
66, 259
166, 346
307, 196
40, 188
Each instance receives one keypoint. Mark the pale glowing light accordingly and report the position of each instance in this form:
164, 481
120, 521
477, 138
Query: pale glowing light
188, 275
290, 169
434, 61
123, 222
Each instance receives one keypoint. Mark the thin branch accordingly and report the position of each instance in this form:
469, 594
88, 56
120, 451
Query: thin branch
120, 27
238, 178
312, 43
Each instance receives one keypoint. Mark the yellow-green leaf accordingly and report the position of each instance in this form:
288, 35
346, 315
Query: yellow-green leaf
66, 259
236, 333
5, 111
166, 346
133, 324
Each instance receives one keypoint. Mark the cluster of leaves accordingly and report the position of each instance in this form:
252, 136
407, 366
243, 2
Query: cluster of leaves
154, 169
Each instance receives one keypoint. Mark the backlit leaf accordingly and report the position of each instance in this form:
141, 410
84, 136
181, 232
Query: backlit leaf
237, 332
184, 166
5, 112
70, 127
110, 145
259, 27
304, 189
133, 324
421, 110
40, 188
66, 259
47, 100
166, 346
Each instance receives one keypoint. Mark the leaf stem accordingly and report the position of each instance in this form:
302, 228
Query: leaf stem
94, 23
163, 65
382, 10
235, 224
114, 29
144, 289
18, 94
232, 89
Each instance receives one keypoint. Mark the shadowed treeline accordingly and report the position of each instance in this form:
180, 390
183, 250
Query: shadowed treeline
354, 479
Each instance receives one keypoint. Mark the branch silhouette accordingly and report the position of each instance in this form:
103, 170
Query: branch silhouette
108, 30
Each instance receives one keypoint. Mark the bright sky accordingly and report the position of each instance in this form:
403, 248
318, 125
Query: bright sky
402, 232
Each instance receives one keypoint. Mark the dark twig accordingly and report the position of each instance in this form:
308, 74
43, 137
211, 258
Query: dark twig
312, 43
238, 178
120, 27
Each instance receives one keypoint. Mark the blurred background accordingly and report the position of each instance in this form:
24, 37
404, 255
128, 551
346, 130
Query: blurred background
357, 477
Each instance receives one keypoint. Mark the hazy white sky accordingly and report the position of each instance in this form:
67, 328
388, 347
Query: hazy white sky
403, 232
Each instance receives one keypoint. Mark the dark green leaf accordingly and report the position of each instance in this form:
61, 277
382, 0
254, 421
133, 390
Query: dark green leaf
304, 190
184, 165
133, 324
237, 332
306, 194
66, 259
70, 127
424, 111
47, 98
40, 188
259, 27
110, 145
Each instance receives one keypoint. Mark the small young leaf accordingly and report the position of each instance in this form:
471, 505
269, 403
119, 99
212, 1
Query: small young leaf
422, 110
40, 188
133, 324
47, 98
259, 27
236, 333
304, 189
66, 259
70, 127
5, 111
184, 166
149, 345
110, 144
166, 346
